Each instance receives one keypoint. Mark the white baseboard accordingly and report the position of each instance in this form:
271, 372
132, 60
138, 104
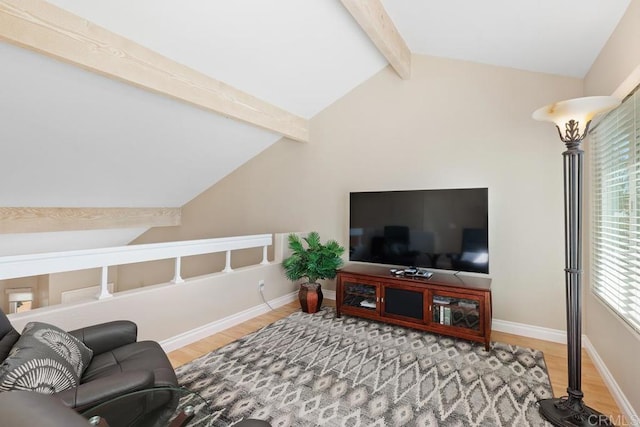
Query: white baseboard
614, 388
204, 331
538, 332
530, 331
329, 294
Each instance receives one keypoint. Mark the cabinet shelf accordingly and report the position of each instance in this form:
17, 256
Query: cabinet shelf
356, 294
356, 300
455, 306
359, 294
456, 316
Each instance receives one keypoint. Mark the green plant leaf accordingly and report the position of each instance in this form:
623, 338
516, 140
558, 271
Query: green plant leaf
295, 244
313, 240
316, 262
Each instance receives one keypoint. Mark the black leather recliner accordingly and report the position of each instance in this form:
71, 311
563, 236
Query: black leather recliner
119, 365
28, 409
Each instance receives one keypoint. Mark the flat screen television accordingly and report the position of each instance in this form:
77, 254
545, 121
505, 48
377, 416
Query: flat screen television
438, 229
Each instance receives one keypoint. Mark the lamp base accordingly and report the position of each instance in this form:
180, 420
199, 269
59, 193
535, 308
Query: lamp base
571, 412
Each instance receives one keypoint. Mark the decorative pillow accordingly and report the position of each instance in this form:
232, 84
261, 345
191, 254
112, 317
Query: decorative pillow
45, 359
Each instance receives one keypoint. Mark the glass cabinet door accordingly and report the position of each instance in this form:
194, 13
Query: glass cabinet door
460, 312
360, 295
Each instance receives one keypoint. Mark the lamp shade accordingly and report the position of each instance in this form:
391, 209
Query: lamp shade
574, 115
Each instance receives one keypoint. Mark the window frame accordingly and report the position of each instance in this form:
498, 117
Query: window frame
614, 273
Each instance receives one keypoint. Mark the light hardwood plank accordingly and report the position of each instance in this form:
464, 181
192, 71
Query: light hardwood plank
374, 20
34, 220
597, 394
48, 29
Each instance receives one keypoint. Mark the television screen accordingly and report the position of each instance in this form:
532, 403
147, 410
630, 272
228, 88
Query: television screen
439, 229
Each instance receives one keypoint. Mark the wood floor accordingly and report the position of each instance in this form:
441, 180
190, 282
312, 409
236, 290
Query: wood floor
597, 394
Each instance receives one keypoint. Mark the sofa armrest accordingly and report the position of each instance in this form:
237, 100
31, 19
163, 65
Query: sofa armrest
107, 336
94, 392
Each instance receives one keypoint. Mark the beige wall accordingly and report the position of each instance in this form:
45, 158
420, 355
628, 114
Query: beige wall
42, 298
23, 282
617, 345
48, 288
135, 276
67, 281
454, 124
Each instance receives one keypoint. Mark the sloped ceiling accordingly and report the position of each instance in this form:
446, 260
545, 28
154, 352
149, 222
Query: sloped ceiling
561, 37
84, 140
298, 55
69, 137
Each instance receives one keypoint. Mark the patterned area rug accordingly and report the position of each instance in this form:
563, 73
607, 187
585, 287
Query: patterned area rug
308, 370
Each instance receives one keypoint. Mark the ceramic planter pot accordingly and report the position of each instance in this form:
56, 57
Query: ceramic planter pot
310, 296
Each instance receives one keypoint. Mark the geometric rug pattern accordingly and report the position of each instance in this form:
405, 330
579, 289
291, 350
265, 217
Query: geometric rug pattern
318, 370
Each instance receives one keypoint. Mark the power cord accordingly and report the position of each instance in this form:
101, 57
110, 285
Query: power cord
265, 301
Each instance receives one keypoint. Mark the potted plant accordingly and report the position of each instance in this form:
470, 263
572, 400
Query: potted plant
315, 262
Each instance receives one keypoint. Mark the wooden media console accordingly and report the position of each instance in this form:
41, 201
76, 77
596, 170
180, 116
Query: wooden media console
447, 304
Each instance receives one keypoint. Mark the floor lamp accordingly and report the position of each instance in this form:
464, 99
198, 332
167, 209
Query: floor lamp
572, 118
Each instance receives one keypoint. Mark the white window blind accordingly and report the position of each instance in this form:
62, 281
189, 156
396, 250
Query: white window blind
615, 252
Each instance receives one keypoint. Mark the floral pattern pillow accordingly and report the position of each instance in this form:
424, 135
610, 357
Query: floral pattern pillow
45, 359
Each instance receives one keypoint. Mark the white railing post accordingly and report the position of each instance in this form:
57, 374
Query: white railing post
227, 265
177, 278
265, 261
104, 288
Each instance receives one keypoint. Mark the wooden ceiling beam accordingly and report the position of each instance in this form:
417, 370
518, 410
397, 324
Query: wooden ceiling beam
376, 23
38, 220
55, 32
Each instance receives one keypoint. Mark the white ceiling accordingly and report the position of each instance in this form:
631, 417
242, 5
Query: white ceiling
72, 138
550, 36
298, 55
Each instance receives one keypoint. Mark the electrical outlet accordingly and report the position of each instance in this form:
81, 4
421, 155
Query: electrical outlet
260, 284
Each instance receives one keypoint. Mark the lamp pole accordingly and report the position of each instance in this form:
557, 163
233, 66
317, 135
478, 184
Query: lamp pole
573, 164
574, 117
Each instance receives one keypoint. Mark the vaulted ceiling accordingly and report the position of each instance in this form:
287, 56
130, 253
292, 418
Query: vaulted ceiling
74, 138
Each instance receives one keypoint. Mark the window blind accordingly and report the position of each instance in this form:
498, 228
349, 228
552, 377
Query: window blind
615, 251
